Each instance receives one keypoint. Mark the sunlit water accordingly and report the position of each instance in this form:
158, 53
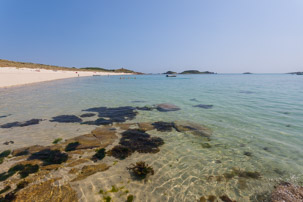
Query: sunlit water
260, 114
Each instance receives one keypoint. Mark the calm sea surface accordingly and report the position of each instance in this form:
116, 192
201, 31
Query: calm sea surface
257, 115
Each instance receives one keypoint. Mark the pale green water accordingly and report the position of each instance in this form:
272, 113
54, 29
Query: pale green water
250, 113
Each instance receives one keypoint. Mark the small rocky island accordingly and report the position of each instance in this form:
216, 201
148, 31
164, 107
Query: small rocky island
196, 72
170, 72
296, 73
247, 73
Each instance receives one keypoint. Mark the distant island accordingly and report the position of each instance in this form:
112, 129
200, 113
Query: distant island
170, 72
9, 63
196, 72
296, 73
247, 73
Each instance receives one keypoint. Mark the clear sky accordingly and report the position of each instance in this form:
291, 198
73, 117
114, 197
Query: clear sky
224, 36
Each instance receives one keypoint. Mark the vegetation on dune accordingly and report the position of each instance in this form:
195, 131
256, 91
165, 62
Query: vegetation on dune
9, 63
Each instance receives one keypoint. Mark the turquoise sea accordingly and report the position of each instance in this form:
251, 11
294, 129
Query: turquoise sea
257, 124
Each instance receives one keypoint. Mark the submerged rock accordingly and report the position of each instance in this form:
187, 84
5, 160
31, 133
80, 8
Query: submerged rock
110, 115
28, 150
47, 192
145, 108
136, 140
49, 156
4, 116
66, 119
87, 115
204, 106
194, 128
165, 107
90, 170
120, 152
99, 122
146, 126
21, 124
287, 192
163, 126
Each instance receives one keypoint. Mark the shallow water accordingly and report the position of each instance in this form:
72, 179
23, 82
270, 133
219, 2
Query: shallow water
260, 114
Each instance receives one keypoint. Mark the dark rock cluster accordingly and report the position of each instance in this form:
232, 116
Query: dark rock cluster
136, 140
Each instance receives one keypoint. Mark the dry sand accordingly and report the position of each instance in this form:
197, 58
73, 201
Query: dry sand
11, 76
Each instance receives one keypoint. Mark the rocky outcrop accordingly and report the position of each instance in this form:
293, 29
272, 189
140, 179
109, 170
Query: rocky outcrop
287, 192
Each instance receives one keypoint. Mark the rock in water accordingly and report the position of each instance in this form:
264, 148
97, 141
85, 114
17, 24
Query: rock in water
21, 124
194, 128
204, 106
287, 192
165, 107
66, 119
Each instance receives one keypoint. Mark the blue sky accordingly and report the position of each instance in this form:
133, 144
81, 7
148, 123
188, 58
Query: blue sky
225, 36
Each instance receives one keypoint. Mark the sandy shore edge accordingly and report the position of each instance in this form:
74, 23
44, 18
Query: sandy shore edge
12, 76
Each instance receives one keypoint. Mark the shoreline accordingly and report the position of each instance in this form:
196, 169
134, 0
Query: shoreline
15, 76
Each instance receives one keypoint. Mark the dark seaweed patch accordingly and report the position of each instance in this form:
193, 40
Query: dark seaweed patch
204, 106
99, 155
21, 124
145, 108
4, 116
50, 156
72, 146
136, 140
5, 189
87, 115
24, 171
66, 119
98, 122
194, 100
118, 114
163, 126
5, 153
28, 169
120, 152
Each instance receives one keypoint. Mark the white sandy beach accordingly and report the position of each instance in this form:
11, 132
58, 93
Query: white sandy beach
11, 76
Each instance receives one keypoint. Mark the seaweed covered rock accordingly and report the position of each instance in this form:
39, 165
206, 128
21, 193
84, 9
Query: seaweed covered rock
110, 115
99, 155
99, 122
194, 128
87, 115
50, 156
120, 152
66, 119
24, 171
47, 192
21, 124
141, 169
72, 146
286, 192
163, 126
165, 107
140, 141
